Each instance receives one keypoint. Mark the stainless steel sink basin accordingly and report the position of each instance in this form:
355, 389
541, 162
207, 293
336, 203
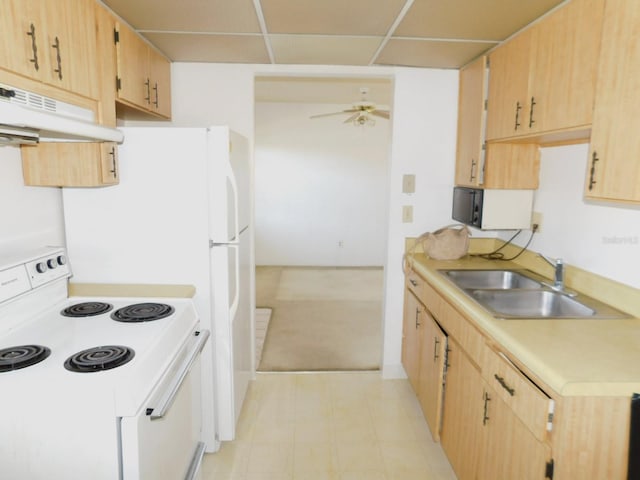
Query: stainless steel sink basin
531, 304
499, 279
522, 294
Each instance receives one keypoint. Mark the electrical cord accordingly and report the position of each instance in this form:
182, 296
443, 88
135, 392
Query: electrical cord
497, 255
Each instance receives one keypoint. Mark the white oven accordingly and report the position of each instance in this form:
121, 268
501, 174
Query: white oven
102, 388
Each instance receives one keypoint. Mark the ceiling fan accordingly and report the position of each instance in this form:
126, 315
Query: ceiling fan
361, 112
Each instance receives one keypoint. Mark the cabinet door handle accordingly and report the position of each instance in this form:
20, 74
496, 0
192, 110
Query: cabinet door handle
504, 384
594, 159
148, 97
531, 120
471, 175
436, 342
155, 89
34, 47
112, 152
413, 282
56, 47
417, 318
485, 414
518, 108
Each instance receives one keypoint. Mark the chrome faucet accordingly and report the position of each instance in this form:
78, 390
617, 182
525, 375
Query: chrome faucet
558, 265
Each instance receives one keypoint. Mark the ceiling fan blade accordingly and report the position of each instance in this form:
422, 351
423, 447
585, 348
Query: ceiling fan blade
352, 117
380, 113
333, 113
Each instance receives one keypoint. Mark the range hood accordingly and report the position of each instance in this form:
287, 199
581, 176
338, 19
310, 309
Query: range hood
27, 118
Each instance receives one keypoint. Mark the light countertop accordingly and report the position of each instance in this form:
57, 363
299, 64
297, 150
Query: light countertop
130, 290
572, 357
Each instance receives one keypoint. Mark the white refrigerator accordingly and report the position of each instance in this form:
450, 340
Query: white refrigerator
181, 214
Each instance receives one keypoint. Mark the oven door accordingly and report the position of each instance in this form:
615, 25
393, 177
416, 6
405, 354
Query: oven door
163, 439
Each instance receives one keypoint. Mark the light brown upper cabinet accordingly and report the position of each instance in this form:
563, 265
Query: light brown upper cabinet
60, 164
511, 166
614, 162
543, 80
53, 42
143, 74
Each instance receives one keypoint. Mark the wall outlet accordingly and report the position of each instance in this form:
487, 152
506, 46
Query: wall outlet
536, 219
408, 184
407, 213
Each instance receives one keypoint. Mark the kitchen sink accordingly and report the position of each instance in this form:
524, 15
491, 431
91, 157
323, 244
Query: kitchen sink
498, 279
532, 304
522, 294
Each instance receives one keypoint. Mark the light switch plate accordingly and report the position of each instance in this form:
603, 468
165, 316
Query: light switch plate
407, 213
408, 183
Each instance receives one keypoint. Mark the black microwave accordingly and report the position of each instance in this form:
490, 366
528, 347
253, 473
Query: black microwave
467, 206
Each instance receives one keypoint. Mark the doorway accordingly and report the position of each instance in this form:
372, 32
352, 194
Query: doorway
321, 179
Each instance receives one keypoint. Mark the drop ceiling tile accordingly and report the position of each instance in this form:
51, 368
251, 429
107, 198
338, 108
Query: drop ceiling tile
211, 48
470, 19
237, 16
323, 50
435, 54
335, 17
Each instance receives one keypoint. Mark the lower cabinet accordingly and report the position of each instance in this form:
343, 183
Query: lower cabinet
493, 420
464, 410
510, 449
70, 164
433, 351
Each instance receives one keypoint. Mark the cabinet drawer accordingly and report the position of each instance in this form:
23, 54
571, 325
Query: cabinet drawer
453, 323
416, 284
528, 402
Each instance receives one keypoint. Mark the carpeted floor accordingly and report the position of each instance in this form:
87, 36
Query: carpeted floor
323, 319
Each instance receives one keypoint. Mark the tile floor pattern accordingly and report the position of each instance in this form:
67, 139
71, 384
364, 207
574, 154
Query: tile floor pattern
329, 426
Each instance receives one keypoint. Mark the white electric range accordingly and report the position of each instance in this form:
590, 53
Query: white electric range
100, 388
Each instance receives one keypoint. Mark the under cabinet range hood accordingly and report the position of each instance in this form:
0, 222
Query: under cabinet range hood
28, 118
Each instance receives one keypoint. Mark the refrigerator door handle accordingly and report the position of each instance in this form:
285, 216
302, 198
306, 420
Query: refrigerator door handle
234, 190
233, 308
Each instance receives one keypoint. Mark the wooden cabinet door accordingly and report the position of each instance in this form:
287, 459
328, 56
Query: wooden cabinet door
23, 49
614, 162
71, 46
471, 99
134, 84
508, 84
462, 432
70, 164
431, 375
160, 74
564, 58
411, 333
511, 450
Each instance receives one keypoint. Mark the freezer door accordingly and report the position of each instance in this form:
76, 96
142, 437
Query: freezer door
229, 184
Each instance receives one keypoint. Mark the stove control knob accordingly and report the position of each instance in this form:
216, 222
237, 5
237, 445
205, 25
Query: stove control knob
51, 263
61, 259
41, 267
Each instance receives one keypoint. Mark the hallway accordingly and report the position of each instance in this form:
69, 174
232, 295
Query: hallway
323, 318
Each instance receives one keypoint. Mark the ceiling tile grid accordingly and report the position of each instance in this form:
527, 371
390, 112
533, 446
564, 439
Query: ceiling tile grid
417, 33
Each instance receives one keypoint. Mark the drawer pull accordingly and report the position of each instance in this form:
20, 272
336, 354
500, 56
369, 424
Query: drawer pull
417, 318
531, 120
436, 342
592, 173
413, 282
485, 415
518, 108
34, 47
504, 385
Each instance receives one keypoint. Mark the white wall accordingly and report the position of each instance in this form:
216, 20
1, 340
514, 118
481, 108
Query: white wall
602, 238
30, 217
321, 187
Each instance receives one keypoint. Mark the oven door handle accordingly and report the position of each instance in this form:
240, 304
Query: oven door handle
167, 398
